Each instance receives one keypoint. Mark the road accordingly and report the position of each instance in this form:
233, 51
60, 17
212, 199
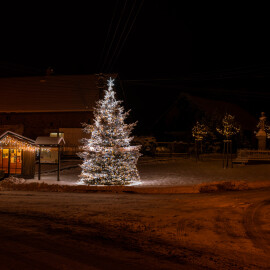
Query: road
43, 230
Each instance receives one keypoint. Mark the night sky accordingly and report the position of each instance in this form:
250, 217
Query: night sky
219, 51
137, 39
134, 38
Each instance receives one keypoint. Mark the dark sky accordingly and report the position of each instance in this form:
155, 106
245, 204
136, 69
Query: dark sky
220, 50
159, 48
138, 39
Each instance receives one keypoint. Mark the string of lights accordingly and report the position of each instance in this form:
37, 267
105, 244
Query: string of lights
10, 141
199, 131
229, 127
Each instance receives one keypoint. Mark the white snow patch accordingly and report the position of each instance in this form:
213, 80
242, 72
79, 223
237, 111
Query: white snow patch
171, 172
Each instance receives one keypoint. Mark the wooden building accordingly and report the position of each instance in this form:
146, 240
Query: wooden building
48, 105
17, 155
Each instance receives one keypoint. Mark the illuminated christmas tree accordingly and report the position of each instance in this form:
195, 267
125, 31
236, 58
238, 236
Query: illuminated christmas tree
108, 157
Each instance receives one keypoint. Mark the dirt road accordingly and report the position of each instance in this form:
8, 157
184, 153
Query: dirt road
135, 231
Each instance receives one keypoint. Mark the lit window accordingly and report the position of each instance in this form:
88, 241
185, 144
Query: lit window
55, 134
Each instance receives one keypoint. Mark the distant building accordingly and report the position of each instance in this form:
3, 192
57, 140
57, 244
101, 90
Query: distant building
50, 105
181, 116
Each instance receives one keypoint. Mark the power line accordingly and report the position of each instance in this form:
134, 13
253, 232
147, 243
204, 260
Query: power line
114, 35
251, 73
123, 43
108, 34
124, 29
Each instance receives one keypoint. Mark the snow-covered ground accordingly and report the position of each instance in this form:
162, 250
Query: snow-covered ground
48, 230
168, 171
134, 230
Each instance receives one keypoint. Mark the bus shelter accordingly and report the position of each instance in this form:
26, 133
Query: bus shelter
50, 149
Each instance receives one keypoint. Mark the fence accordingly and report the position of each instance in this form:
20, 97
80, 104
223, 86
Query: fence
71, 150
172, 149
244, 155
160, 149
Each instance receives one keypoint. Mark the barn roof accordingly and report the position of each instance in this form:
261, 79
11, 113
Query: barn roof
56, 93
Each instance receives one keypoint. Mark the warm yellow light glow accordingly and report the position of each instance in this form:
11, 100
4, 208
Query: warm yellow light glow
230, 127
108, 157
199, 131
20, 144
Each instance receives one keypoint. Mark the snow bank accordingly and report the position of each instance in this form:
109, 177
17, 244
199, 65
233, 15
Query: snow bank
200, 188
13, 180
222, 186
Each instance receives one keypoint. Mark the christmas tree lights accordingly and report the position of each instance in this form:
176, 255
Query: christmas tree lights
108, 157
17, 143
199, 131
229, 127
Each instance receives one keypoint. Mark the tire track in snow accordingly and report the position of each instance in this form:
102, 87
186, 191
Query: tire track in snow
253, 221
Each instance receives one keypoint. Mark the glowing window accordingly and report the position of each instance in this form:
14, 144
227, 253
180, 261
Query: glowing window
55, 134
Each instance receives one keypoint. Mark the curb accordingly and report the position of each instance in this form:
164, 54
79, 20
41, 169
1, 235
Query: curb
211, 187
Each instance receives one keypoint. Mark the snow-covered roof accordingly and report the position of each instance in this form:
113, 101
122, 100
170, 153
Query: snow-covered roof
49, 140
55, 93
17, 136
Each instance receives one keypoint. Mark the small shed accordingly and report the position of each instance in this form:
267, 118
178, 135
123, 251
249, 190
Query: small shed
17, 155
50, 152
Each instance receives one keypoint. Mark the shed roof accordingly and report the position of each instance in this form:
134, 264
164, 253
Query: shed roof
17, 136
57, 93
49, 140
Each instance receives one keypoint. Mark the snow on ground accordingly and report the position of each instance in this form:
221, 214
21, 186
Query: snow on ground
47, 230
229, 230
167, 171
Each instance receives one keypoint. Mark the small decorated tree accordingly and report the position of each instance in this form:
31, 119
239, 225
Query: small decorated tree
199, 131
108, 157
228, 129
